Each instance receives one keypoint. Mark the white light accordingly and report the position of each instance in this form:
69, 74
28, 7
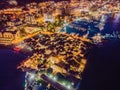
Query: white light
40, 84
72, 83
32, 76
63, 83
51, 76
68, 86
55, 78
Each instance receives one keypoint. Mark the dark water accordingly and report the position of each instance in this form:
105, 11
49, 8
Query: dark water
102, 71
10, 77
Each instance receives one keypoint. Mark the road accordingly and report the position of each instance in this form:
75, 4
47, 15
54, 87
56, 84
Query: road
54, 83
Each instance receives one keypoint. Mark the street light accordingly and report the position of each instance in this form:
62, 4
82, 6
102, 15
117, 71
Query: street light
63, 83
68, 86
50, 75
55, 78
40, 84
32, 76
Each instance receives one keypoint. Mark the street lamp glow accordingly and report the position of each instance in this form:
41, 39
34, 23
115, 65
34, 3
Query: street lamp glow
51, 76
32, 76
63, 83
55, 78
40, 84
68, 86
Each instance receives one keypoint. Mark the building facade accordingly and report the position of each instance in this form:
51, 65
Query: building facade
74, 1
7, 36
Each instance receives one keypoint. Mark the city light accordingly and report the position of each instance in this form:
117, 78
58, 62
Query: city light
40, 84
55, 78
32, 76
64, 83
56, 36
68, 86
51, 76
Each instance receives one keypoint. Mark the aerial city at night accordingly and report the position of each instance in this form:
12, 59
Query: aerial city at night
59, 44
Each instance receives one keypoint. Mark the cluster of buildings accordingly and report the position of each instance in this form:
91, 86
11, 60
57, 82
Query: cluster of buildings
52, 50
57, 53
7, 35
50, 11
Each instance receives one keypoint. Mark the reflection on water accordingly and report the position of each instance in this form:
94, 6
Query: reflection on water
107, 24
10, 77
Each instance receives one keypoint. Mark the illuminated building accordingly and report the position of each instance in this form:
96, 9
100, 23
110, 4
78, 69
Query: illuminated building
74, 1
10, 23
8, 35
12, 2
48, 18
30, 19
12, 11
58, 11
31, 30
75, 12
